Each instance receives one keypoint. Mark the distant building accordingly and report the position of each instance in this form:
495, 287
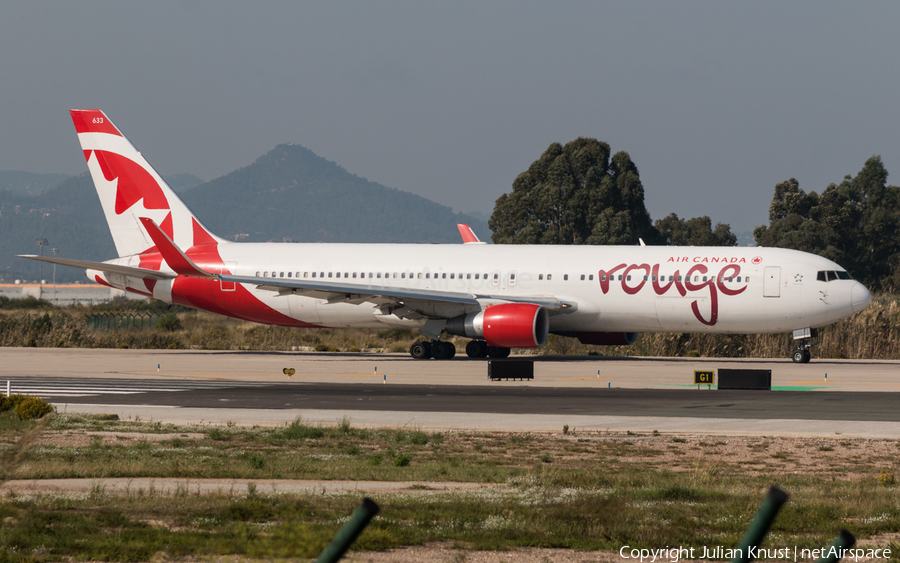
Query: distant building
65, 294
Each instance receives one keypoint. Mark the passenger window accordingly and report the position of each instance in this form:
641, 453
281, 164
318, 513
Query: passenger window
739, 279
540, 276
645, 278
314, 274
591, 277
354, 275
468, 276
549, 277
403, 275
452, 276
289, 274
281, 274
512, 276
603, 277
265, 274
305, 274
419, 276
379, 275
627, 278
485, 276
582, 277
565, 277
427, 276
476, 276
496, 276
257, 274
444, 276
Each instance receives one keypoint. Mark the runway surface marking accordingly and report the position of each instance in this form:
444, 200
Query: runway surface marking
96, 387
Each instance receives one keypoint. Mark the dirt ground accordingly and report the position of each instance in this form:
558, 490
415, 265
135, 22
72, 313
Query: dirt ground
709, 454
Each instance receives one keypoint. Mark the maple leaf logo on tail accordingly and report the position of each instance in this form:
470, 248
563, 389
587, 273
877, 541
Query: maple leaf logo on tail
129, 188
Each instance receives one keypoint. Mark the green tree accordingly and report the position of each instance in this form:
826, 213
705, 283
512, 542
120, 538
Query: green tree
575, 194
855, 223
694, 232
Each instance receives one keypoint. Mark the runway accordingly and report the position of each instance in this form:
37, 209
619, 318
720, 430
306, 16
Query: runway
507, 399
640, 395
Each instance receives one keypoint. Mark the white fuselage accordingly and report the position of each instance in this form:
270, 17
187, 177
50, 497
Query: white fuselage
613, 289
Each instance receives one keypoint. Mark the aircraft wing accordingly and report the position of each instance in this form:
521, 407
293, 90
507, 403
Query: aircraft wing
337, 292
420, 301
103, 267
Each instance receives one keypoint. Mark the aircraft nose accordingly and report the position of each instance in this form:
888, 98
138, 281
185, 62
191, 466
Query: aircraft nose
859, 297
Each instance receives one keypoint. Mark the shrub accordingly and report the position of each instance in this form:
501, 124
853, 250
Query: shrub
169, 322
33, 407
402, 460
887, 478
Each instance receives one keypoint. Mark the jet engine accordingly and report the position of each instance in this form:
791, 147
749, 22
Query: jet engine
508, 325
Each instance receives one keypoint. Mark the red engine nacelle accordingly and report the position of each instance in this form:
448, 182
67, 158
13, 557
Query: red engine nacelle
607, 338
515, 325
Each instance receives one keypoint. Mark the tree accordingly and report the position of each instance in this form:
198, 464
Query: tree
574, 194
855, 223
694, 232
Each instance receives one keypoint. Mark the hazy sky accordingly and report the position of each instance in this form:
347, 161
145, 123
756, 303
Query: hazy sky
715, 102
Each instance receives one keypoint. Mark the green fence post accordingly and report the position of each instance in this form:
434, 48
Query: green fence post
845, 540
349, 532
757, 530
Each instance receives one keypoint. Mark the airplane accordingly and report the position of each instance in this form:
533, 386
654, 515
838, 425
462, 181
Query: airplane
499, 296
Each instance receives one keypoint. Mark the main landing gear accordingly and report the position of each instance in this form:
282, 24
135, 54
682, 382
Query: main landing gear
434, 349
439, 350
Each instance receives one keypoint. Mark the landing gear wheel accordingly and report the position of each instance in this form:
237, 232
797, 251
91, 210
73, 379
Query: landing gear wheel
801, 356
498, 352
420, 350
442, 350
452, 347
477, 349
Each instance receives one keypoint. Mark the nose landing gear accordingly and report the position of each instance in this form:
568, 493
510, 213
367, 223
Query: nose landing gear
803, 337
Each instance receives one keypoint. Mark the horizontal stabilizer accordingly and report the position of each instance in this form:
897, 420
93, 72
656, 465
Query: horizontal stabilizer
103, 267
468, 235
174, 257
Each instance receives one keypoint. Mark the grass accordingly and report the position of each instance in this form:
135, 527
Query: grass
540, 490
872, 334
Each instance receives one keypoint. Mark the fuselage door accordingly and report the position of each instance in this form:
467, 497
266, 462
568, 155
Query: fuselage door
511, 279
230, 268
772, 281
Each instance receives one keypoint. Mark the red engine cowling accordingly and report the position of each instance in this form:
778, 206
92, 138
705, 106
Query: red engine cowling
515, 325
607, 338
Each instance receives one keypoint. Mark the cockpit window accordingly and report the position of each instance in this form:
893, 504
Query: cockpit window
831, 275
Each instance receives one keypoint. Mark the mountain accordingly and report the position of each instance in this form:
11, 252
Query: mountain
27, 183
182, 182
291, 193
286, 194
